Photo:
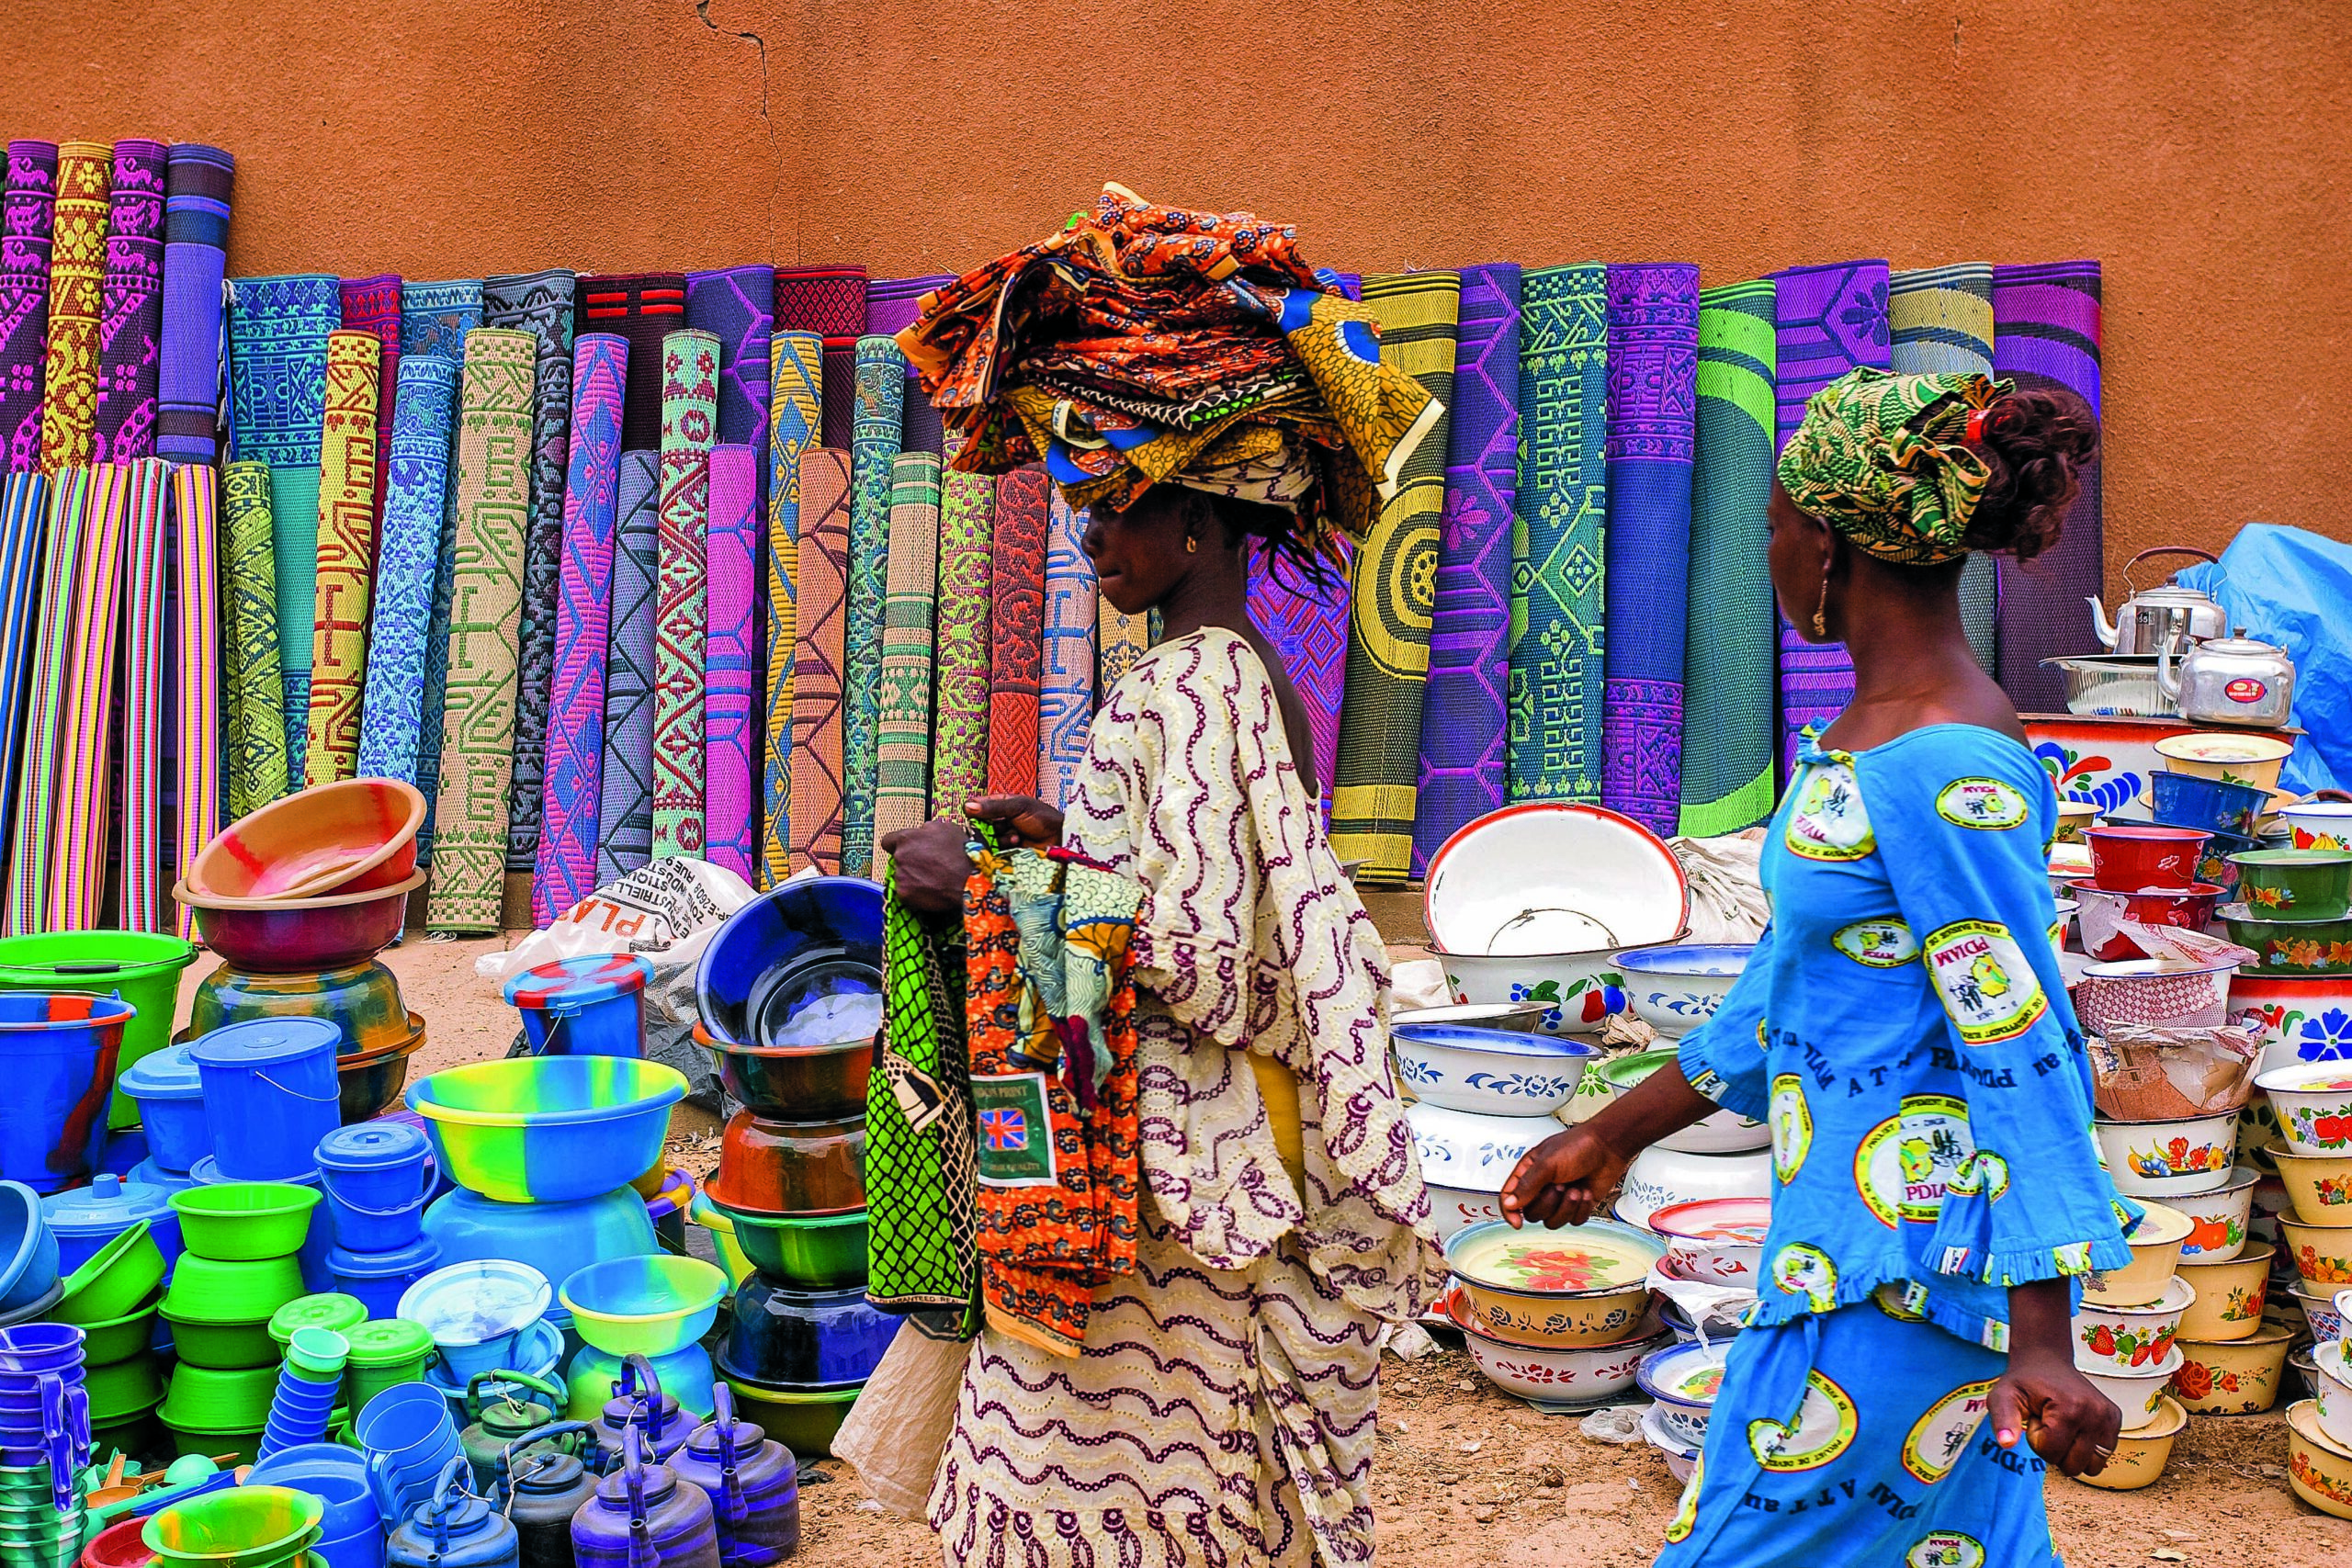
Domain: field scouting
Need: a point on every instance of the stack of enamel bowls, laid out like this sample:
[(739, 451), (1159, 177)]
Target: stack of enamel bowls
[(790, 998), (1560, 1318), (2126, 1342), (1724, 1156)]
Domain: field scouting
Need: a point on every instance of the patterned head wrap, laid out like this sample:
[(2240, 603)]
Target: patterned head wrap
[(1878, 459)]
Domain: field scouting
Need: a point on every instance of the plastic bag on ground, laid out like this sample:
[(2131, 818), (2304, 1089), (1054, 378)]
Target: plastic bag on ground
[(899, 1426)]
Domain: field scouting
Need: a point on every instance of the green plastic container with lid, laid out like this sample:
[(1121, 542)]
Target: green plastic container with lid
[(329, 1309), (243, 1222), (382, 1354), (144, 966)]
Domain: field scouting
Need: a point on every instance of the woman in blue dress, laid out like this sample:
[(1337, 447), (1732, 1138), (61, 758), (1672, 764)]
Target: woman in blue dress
[(1903, 1029)]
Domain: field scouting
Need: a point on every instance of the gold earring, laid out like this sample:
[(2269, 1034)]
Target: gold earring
[(1821, 615), (1191, 544)]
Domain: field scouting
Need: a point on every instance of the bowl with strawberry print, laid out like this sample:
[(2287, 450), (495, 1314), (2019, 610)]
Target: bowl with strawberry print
[(2313, 1104), (2129, 1338)]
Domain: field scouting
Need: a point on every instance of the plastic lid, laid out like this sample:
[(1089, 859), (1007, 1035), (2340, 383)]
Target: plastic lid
[(261, 1041), (155, 1175), (106, 1205), (468, 1304), (167, 1074), (373, 1145), (567, 985), (387, 1342), (329, 1309), (206, 1172), (421, 1254)]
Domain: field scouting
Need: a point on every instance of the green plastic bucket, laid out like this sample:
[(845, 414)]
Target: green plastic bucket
[(143, 966), (382, 1354)]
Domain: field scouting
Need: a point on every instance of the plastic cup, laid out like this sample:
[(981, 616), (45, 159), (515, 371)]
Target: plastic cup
[(317, 1355), (328, 1309)]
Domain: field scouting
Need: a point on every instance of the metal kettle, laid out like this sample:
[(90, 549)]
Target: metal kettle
[(2155, 619), (2232, 679)]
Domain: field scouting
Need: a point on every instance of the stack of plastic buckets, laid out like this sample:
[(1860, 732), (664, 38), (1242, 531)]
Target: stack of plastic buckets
[(61, 1047), (168, 1093), (376, 1176), (241, 1266), (44, 1443), (269, 1097)]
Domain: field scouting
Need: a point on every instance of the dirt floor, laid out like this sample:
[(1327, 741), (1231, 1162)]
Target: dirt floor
[(1468, 1476)]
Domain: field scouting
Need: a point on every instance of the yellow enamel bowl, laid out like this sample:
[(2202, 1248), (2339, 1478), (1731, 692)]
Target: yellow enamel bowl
[(1555, 1289), (2322, 1254), (2319, 1470), (2239, 1377), (2320, 1187), (2252, 760), (2229, 1295), (2139, 1456), (2155, 1256)]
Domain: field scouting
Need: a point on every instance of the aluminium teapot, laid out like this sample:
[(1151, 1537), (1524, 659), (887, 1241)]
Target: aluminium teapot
[(2232, 679), (2155, 620)]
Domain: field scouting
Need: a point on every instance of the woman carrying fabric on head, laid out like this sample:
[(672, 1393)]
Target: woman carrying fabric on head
[(1215, 1402), (1903, 1026)]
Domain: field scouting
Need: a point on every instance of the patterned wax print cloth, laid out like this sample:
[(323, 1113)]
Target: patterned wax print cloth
[(1881, 458), (1858, 1437), (922, 1242), (1903, 1028)]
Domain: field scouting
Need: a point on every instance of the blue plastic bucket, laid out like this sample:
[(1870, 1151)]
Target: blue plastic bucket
[(29, 1253), (592, 1005), (381, 1279), (61, 1047), (270, 1093), (378, 1177), (170, 1094)]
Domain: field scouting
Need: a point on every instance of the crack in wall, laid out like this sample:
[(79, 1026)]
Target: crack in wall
[(767, 124)]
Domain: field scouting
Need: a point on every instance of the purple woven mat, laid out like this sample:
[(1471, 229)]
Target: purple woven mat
[(198, 182), (730, 661), (27, 211), (2046, 334), (131, 310), (734, 305)]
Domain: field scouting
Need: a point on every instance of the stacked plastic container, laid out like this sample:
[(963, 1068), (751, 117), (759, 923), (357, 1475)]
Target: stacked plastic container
[(377, 1177), (242, 1265), (168, 1091), (44, 1443)]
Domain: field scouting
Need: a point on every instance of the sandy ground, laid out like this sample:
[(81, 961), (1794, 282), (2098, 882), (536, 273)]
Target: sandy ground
[(1468, 1476)]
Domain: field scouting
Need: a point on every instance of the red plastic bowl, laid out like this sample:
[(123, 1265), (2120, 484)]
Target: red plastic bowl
[(334, 838), (279, 936), (2129, 858), (2099, 909), (119, 1545)]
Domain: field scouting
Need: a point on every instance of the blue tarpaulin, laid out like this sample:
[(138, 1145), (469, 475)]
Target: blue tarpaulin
[(2294, 588)]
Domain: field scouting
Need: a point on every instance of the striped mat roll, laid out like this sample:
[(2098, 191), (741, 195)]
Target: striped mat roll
[(1559, 542), (373, 305), (881, 396), (81, 838), (27, 214), (435, 319), (1940, 320), (130, 311), (24, 496), (2046, 334), (1731, 703), (795, 381), (625, 796), (959, 728), (1375, 792), (197, 671), (566, 870), (689, 419), (643, 307), (346, 555), (1016, 629), (408, 570), (67, 528), (902, 782), (148, 665), (1466, 713), (253, 682), (1119, 640), (77, 260), (198, 183), (1065, 665), (821, 601), (494, 490), (731, 659)]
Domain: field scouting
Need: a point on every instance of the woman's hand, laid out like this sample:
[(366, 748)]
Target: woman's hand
[(2043, 1397), (932, 861), (1563, 1179)]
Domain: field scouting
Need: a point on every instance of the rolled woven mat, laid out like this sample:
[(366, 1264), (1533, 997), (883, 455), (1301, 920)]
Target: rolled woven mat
[(837, 424), (736, 306), (1119, 640), (493, 486), (689, 406), (2046, 334), (1065, 668), (643, 307), (195, 675), (881, 395), (795, 360), (891, 305), (198, 183), (76, 293), (253, 682), (566, 870), (408, 568), (80, 844), (1307, 623), (27, 214), (1653, 368), (1831, 318), (1016, 629), (1731, 720), (130, 311), (959, 727), (821, 601), (538, 303), (373, 305), (148, 664), (1374, 789), (1940, 319), (731, 660), (348, 462), (24, 496), (1468, 710), (902, 788), (827, 300), (34, 831), (435, 319), (1558, 546), (624, 810)]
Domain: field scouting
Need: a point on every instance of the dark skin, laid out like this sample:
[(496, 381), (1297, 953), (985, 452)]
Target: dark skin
[(1912, 669), (1169, 552)]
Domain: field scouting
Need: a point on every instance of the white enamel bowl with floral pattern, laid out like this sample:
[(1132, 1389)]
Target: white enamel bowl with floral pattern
[(2229, 1294), (2233, 1377), (1578, 991), (1555, 1378), (1578, 1286), (2124, 1339), (2313, 1104), (2137, 1390), (1674, 989), (2162, 1159), (1685, 1381), (2320, 1311), (2331, 1392), (1458, 1208), (1660, 1178), (2218, 1219), (2319, 1185), (2318, 1469), (1553, 876), (1464, 1150), (1492, 1072), (1680, 1455), (2295, 1018), (1719, 1241)]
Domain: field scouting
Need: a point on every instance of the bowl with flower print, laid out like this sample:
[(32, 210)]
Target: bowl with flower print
[(1491, 1071), (2160, 1159), (1719, 1241), (2332, 1390), (1685, 1380), (2319, 1185), (1557, 1377), (2113, 1338), (2125, 855), (2141, 1450), (2136, 1391), (1457, 1208), (2231, 1293), (2287, 946), (2318, 1469), (2319, 824), (1674, 989), (1660, 1178), (2322, 1254), (2155, 1243), (2320, 1310), (2313, 1104), (2296, 884), (1680, 1455), (2235, 1377), (1576, 1286), (1578, 992), (1464, 1150)]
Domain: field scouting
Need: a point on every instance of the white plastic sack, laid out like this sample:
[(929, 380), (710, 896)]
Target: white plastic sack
[(665, 911), (899, 1426), (1727, 899)]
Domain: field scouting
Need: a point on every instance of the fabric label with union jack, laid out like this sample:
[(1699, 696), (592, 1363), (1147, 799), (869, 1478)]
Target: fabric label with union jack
[(1016, 1135)]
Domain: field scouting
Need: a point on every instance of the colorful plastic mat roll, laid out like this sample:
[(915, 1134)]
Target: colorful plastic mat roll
[(2046, 334), (796, 399), (736, 306), (827, 300), (89, 671), (891, 305), (1467, 712), (566, 872), (645, 308), (435, 319), (1307, 623), (76, 296), (130, 311), (1940, 319), (1015, 643), (372, 305), (911, 606), (959, 726), (1559, 542), (731, 659), (625, 812), (346, 557), (27, 216), (819, 624), (689, 421), (1731, 720), (196, 671), (149, 664), (1652, 371), (1065, 668), (1377, 774), (253, 682), (34, 829), (408, 570), (494, 490), (197, 184), (881, 395), (1831, 318), (24, 496)]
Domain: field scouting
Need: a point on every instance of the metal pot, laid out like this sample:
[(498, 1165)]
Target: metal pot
[(2234, 679), (2111, 685), (2168, 617)]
